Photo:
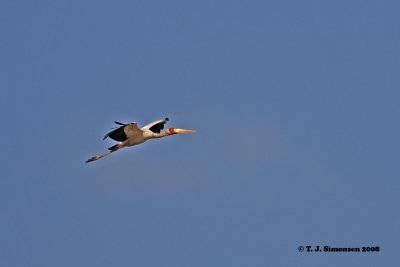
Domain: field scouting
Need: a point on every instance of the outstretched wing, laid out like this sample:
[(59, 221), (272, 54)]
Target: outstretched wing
[(117, 134), (156, 126), (122, 133)]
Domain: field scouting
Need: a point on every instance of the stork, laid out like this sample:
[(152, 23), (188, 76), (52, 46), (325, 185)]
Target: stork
[(130, 135)]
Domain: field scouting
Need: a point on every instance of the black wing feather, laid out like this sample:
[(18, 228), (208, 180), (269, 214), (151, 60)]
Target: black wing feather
[(159, 126), (117, 134)]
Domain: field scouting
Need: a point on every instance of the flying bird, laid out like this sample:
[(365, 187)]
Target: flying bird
[(130, 135)]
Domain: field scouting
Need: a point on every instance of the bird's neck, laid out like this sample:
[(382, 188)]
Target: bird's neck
[(168, 132)]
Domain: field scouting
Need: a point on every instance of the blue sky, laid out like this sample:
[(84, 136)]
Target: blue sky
[(296, 108)]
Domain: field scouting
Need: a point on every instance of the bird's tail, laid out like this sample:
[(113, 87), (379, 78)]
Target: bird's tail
[(115, 147), (111, 150)]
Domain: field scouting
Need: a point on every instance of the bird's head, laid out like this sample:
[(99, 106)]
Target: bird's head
[(179, 131)]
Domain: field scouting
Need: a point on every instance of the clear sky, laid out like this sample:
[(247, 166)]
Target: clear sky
[(296, 104)]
